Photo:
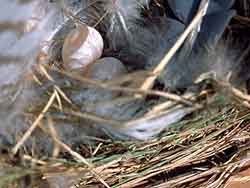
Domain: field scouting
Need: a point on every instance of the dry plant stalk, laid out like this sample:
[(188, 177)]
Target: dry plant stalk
[(148, 160), (81, 159), (34, 125), (103, 85)]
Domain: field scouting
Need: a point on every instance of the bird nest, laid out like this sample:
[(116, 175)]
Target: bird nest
[(209, 148), (203, 151)]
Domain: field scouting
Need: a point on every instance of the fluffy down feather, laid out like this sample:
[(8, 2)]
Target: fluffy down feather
[(152, 39), (26, 25)]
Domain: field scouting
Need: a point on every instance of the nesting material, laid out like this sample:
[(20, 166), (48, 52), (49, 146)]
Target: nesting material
[(149, 127), (40, 9), (240, 180), (75, 112), (82, 46)]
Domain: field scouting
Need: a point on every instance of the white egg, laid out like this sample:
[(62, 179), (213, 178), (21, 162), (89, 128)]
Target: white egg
[(82, 46)]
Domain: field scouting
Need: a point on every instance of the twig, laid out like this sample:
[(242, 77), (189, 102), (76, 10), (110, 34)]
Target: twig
[(92, 117), (33, 160), (81, 159), (54, 134), (140, 92), (168, 104), (34, 125)]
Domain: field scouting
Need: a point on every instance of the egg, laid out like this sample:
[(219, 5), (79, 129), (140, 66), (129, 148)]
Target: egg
[(106, 68), (82, 46)]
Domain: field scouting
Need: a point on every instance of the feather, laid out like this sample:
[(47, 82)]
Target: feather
[(185, 10), (113, 18), (20, 47), (210, 33), (121, 15), (152, 39)]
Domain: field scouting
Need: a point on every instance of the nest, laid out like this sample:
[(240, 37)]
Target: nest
[(204, 152), (206, 149)]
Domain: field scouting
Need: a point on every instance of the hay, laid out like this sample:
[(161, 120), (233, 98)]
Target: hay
[(205, 153)]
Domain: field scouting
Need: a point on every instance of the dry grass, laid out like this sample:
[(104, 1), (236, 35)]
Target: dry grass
[(205, 153)]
